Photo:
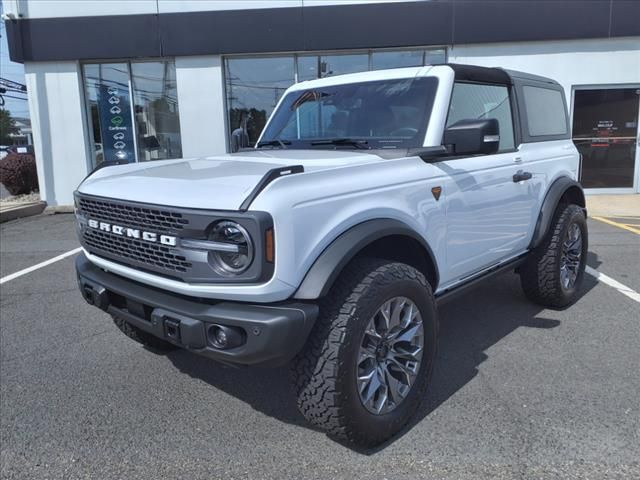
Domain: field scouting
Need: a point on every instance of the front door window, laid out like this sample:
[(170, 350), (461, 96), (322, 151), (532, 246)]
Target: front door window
[(605, 131)]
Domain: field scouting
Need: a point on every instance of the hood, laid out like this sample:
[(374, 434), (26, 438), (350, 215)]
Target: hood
[(216, 183)]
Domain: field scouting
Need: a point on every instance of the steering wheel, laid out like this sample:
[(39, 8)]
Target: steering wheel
[(404, 132)]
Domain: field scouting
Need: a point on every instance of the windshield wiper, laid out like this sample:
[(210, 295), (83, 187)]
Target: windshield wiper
[(343, 141), (276, 142)]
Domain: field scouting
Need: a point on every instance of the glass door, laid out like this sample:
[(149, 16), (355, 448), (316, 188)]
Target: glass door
[(605, 131)]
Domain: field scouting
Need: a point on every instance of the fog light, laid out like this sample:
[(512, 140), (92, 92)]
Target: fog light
[(223, 337)]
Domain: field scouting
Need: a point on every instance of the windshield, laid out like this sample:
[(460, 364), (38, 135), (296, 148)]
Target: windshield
[(378, 114)]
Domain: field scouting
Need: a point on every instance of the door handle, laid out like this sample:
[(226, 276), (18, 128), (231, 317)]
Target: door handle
[(517, 160), (521, 176)]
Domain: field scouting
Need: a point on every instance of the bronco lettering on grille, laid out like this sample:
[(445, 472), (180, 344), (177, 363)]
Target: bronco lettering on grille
[(133, 233)]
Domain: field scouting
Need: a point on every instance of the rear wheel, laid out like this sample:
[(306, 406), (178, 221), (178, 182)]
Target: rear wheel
[(553, 274), (140, 336), (366, 365)]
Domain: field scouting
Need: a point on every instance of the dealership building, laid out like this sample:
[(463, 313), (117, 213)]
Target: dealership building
[(143, 80)]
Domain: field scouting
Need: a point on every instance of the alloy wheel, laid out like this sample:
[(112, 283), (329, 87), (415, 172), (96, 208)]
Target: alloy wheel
[(390, 354), (571, 256)]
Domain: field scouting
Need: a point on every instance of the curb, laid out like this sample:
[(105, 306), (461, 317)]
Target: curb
[(21, 211), (54, 209)]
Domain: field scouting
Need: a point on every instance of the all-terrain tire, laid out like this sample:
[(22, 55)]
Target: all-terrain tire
[(540, 275), (141, 336), (324, 373)]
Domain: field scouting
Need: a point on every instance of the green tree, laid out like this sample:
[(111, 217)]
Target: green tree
[(7, 126)]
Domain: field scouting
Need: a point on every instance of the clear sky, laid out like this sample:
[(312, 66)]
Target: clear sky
[(11, 71)]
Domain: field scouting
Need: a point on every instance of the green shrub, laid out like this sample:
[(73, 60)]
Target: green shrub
[(18, 173)]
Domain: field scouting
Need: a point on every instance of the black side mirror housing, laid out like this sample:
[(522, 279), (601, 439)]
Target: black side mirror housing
[(473, 137)]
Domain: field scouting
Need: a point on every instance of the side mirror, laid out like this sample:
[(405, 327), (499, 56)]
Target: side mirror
[(473, 137)]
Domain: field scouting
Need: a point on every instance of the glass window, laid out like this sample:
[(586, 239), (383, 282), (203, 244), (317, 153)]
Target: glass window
[(311, 67), (155, 101), (308, 68), (254, 86), (474, 101), (411, 58), (155, 108), (545, 111), (331, 65), (407, 58), (436, 56), (381, 114), (106, 110)]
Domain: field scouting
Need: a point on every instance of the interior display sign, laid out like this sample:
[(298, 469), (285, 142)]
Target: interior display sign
[(115, 123)]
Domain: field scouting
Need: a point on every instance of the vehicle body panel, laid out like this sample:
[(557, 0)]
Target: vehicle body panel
[(488, 215)]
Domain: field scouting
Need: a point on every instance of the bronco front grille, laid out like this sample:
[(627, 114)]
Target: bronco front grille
[(150, 237), (151, 254), (157, 257), (135, 216)]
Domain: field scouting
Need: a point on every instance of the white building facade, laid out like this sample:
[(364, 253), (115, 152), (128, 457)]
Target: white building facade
[(142, 80)]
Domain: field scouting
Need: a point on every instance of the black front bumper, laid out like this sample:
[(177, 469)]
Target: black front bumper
[(271, 334)]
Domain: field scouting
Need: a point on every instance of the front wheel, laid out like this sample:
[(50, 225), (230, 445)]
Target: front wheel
[(367, 363), (553, 274)]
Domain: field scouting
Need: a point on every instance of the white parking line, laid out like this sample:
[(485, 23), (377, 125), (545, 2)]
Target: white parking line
[(13, 276), (632, 294), (623, 289)]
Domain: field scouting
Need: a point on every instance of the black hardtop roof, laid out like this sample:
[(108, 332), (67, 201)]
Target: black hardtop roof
[(474, 73)]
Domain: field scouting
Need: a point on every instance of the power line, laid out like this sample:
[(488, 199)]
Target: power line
[(15, 98)]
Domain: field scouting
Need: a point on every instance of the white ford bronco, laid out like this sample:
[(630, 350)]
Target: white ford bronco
[(368, 200)]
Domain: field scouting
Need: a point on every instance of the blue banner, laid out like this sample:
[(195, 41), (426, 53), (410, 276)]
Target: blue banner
[(115, 123)]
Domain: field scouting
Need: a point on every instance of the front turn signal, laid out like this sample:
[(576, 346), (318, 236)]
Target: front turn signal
[(269, 246)]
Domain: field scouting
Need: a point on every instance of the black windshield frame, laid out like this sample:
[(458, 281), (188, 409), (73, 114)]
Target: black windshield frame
[(418, 92)]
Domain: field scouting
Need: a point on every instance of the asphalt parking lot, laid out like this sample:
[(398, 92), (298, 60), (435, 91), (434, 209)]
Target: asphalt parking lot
[(518, 391)]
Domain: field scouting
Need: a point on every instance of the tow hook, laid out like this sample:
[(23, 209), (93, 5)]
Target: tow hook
[(95, 295), (172, 329)]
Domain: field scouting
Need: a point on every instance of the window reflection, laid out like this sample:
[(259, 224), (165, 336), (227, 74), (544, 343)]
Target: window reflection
[(605, 132), (308, 68), (474, 101), (382, 60), (387, 114), (96, 76), (153, 118), (435, 56), (254, 86), (156, 110), (331, 65)]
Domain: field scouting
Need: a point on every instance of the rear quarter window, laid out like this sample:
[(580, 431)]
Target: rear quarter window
[(545, 111)]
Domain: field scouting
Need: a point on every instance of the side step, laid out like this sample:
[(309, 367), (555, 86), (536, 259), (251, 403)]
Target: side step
[(451, 293)]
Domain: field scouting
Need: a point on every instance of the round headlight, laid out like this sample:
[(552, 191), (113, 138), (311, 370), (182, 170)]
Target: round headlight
[(236, 248)]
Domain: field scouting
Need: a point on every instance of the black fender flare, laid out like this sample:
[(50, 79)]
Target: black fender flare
[(325, 270), (549, 205)]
